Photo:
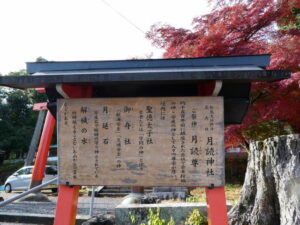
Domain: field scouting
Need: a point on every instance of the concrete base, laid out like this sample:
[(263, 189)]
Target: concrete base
[(179, 211)]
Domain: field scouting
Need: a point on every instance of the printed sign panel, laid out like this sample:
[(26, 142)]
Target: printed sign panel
[(165, 141)]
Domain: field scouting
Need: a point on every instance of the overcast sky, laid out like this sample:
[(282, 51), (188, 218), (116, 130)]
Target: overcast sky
[(70, 30)]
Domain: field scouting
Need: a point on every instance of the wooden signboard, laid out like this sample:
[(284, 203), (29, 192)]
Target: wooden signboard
[(165, 141)]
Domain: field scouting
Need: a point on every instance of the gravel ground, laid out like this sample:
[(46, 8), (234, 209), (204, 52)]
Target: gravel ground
[(49, 208), (3, 223), (101, 205)]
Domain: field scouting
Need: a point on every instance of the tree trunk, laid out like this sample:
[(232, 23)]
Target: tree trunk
[(271, 191)]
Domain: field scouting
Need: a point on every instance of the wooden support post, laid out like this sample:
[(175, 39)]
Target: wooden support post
[(66, 206), (216, 206), (43, 150), (35, 138)]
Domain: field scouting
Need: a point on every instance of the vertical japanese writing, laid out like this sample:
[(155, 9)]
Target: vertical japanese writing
[(209, 150), (84, 124), (194, 118), (118, 140), (65, 117), (173, 139), (210, 160), (211, 118), (163, 110), (96, 142), (206, 118), (149, 118), (127, 124), (74, 144), (141, 140), (195, 150), (182, 141), (104, 112)]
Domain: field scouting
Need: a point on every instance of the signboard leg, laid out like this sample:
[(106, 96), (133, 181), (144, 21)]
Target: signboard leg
[(42, 154), (216, 206), (66, 206)]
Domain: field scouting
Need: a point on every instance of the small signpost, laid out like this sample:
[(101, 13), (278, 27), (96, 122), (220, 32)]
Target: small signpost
[(164, 141)]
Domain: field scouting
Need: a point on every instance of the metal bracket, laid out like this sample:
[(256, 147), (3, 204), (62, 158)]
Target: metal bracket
[(68, 184), (211, 186)]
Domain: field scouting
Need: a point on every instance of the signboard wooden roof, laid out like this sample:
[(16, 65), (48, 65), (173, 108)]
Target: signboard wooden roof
[(106, 73)]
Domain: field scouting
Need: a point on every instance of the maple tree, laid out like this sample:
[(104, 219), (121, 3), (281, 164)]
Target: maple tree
[(246, 27)]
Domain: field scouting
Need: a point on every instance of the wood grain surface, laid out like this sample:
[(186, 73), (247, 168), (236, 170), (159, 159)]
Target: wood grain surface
[(164, 141)]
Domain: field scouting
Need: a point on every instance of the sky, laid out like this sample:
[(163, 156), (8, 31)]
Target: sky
[(76, 30)]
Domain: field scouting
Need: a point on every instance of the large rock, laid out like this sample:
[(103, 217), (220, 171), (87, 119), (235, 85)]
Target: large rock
[(132, 198)]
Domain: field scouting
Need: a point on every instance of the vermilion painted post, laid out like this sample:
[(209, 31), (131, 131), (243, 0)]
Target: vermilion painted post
[(215, 197), (216, 206), (66, 206), (43, 150)]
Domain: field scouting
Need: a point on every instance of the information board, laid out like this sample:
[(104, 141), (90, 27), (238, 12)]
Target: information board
[(164, 141)]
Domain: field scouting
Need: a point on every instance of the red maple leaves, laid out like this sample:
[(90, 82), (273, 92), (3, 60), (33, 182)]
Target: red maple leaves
[(245, 27)]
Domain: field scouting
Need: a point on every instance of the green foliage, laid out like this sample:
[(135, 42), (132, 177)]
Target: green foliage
[(7, 169), (193, 198), (41, 59), (153, 219), (266, 129), (19, 73), (17, 119), (293, 25), (196, 218)]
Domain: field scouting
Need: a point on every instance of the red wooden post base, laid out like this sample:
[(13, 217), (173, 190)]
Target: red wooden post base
[(66, 206), (216, 206)]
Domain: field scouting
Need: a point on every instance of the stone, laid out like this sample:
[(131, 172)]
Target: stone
[(35, 197), (165, 193), (102, 219), (132, 198), (146, 199)]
